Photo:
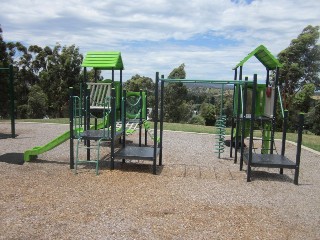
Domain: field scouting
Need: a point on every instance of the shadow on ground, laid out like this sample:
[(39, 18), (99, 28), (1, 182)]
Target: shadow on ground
[(12, 158), (6, 135)]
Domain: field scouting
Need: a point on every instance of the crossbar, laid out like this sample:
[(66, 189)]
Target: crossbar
[(235, 82)]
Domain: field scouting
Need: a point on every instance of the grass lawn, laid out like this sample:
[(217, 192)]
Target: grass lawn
[(309, 140)]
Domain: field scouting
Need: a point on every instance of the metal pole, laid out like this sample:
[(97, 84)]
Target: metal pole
[(232, 117), (284, 135), (238, 118), (299, 143), (120, 90), (155, 149), (112, 122), (146, 117), (12, 114), (71, 127), (124, 110), (140, 118), (84, 99), (274, 110), (161, 119), (244, 113), (88, 120), (253, 109)]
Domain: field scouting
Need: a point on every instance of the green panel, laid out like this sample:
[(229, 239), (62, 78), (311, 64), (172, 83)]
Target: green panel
[(260, 100), (103, 60), (264, 56)]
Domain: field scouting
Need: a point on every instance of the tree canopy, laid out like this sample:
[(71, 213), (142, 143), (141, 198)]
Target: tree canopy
[(301, 62)]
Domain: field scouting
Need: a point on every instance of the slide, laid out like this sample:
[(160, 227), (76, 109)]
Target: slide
[(34, 152)]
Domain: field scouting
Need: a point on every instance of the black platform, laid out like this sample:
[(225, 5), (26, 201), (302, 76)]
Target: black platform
[(137, 153), (269, 160)]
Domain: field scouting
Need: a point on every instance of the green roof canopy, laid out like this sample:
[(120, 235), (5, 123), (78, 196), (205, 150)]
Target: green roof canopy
[(264, 56), (103, 60)]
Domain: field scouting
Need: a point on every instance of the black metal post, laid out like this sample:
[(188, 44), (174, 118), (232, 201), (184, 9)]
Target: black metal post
[(232, 117), (95, 80), (112, 78), (156, 125), (253, 110), (140, 118), (244, 113), (267, 78), (146, 114), (299, 143), (120, 90), (161, 119), (84, 98), (12, 113), (124, 118), (71, 127), (274, 110), (238, 118), (284, 135), (112, 123), (88, 120)]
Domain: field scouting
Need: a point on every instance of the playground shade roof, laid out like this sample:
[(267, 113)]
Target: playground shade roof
[(103, 60), (264, 56)]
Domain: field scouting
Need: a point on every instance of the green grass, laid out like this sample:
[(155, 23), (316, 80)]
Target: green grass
[(309, 140)]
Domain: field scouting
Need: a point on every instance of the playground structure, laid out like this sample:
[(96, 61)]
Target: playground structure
[(9, 71), (109, 101), (252, 103)]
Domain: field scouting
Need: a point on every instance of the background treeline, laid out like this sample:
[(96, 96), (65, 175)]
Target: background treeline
[(42, 76)]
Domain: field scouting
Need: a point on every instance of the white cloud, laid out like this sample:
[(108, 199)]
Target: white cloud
[(162, 34)]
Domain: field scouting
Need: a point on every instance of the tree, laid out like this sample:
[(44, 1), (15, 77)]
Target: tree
[(208, 112), (302, 100), (3, 52), (176, 108), (3, 77), (62, 70), (37, 102), (313, 119), (301, 63), (138, 82)]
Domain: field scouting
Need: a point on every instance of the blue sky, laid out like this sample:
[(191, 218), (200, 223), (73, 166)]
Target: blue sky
[(209, 36)]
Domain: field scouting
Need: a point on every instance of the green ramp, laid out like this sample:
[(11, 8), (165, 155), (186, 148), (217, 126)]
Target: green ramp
[(34, 152)]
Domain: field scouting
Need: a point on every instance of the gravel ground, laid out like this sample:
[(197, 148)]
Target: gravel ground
[(194, 196)]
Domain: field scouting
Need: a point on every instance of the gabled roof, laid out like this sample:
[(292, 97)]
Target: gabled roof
[(103, 60), (264, 56)]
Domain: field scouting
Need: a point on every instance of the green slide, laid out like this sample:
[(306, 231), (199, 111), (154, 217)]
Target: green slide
[(34, 152)]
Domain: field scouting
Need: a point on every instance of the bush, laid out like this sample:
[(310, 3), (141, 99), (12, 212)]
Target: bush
[(197, 120), (207, 111)]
